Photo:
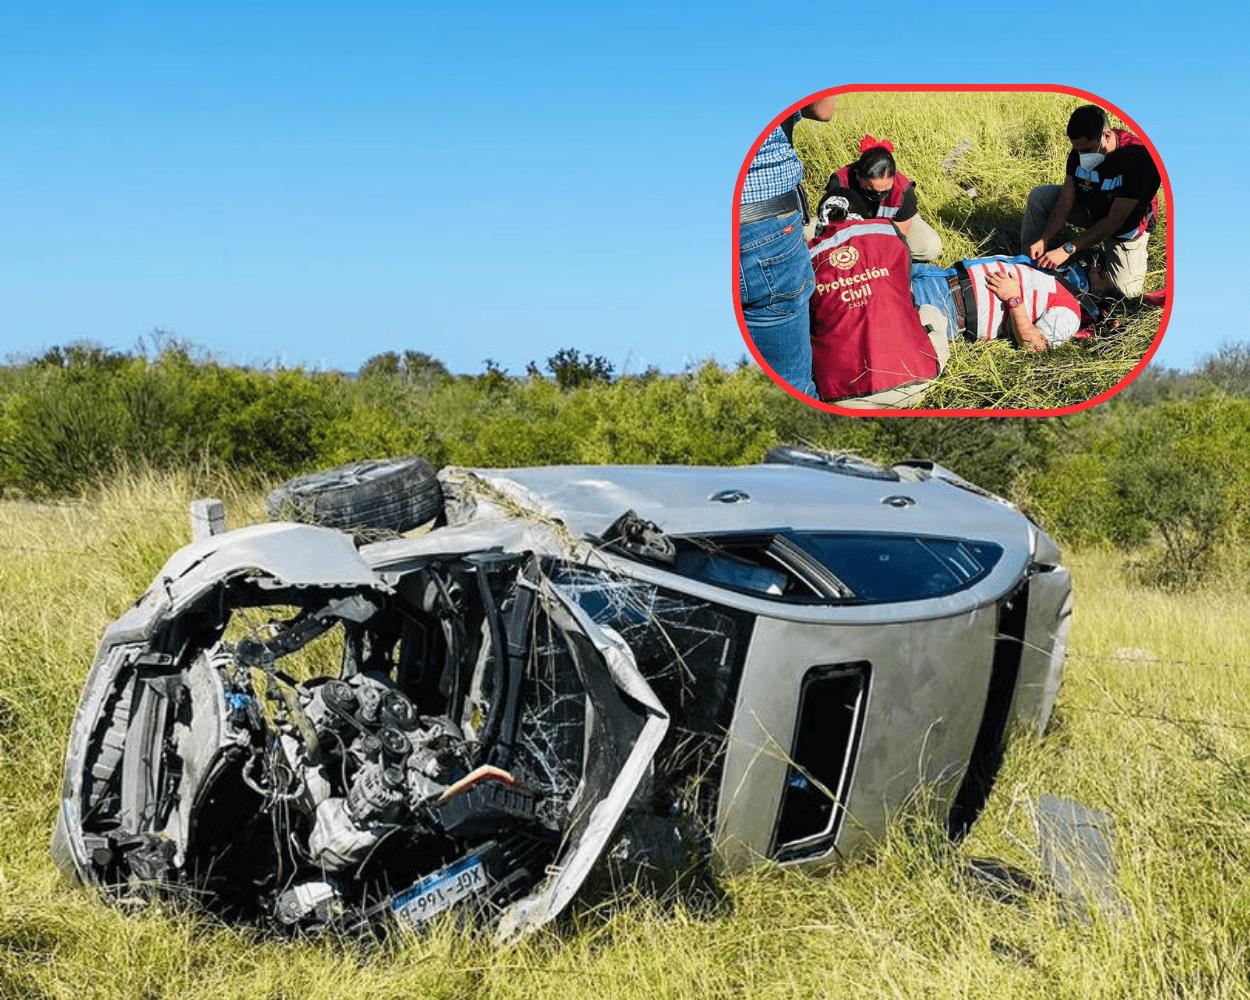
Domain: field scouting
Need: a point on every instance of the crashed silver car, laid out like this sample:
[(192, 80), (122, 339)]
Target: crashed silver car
[(655, 667)]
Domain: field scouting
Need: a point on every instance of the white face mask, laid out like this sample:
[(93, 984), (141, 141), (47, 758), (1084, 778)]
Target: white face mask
[(1090, 160)]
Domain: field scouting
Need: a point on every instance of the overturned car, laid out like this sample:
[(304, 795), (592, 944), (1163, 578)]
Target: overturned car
[(577, 667)]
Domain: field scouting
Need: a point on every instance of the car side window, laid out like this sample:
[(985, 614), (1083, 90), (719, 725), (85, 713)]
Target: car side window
[(749, 564), (878, 568)]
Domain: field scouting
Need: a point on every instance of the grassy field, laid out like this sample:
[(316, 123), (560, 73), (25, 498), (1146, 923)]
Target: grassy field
[(975, 200), (1153, 725)]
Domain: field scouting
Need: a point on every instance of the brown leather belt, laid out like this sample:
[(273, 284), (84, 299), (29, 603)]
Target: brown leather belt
[(957, 285)]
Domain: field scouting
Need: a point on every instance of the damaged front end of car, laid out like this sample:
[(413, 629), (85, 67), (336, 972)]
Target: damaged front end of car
[(474, 747), (579, 675)]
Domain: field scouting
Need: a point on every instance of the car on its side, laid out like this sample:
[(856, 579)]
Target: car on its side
[(339, 724)]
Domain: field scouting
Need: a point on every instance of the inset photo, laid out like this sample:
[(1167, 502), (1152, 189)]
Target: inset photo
[(952, 250)]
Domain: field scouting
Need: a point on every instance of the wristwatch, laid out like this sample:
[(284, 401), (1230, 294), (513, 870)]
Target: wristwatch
[(1069, 248), (1012, 303)]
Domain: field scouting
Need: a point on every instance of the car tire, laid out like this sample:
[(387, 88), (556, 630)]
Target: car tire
[(390, 494), (831, 461)]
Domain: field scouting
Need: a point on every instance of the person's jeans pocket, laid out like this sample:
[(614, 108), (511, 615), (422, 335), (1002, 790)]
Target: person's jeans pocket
[(789, 278), (776, 282), (773, 256)]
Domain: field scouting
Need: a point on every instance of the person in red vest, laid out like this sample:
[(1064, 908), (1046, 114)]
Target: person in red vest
[(870, 346), (1110, 188), (890, 195)]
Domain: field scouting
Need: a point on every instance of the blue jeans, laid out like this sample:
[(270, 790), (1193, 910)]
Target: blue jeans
[(776, 283), (930, 286)]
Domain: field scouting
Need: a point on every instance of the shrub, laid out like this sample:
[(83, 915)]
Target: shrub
[(1161, 474)]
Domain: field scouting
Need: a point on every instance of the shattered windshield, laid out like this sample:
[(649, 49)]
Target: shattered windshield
[(322, 757), (690, 651)]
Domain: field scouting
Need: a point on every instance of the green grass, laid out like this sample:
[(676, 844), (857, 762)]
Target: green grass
[(1151, 726), (1018, 142)]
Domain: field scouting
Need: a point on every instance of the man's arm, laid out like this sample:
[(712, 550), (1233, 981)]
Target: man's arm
[(1006, 287), (821, 110), (1058, 216), (1027, 335), (1111, 224)]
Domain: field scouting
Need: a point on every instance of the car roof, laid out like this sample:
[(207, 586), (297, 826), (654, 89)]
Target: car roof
[(678, 498)]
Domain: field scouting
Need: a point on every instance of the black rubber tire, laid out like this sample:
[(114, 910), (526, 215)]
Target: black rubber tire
[(829, 461), (388, 494)]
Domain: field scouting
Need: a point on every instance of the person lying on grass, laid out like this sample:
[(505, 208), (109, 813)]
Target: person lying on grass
[(990, 298), (889, 195)]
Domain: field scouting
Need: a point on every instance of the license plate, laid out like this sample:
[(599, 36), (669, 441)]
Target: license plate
[(440, 891)]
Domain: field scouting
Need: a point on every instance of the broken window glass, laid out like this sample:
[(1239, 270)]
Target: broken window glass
[(691, 652), (425, 748)]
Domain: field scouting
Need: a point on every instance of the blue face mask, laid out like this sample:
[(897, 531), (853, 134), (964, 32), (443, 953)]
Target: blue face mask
[(1090, 160)]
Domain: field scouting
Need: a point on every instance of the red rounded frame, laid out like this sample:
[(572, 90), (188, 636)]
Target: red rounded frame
[(955, 87)]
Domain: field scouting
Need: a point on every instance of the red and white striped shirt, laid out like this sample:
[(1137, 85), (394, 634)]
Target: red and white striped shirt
[(1051, 307)]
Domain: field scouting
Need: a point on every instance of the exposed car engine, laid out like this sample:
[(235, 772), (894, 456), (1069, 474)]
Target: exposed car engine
[(432, 768)]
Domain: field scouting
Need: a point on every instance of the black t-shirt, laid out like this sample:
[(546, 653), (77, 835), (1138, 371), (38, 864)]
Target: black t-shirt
[(872, 200), (1126, 172)]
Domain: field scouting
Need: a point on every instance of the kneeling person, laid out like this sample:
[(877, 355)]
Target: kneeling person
[(1111, 188), (870, 348), (889, 194)]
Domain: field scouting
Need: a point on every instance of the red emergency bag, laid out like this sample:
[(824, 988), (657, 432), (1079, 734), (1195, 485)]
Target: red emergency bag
[(866, 335)]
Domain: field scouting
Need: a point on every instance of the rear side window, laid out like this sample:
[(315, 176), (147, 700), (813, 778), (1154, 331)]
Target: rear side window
[(883, 568)]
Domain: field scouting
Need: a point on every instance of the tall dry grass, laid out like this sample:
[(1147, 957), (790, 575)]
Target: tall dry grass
[(975, 201), (1153, 725)]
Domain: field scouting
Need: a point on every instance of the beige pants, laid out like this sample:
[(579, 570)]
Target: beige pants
[(903, 396), (923, 241), (1126, 259)]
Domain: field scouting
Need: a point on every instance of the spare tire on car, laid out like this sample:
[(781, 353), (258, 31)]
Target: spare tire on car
[(388, 494)]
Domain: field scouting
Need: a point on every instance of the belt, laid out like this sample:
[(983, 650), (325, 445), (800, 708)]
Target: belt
[(782, 204), (965, 298)]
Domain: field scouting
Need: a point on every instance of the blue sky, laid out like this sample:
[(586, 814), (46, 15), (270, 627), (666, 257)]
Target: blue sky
[(314, 183)]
